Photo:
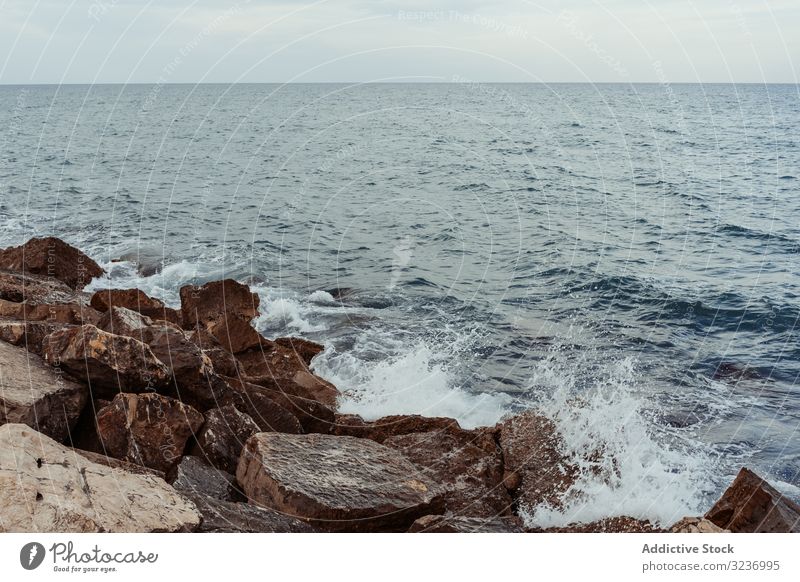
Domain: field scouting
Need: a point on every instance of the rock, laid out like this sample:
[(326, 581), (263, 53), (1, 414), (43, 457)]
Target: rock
[(19, 288), (460, 524), (622, 524), (535, 470), (186, 362), (696, 525), (224, 363), (50, 488), (223, 436), (303, 384), (389, 426), (102, 459), (147, 429), (336, 483), (193, 477), (123, 321), (71, 313), (34, 394), (263, 409), (109, 363), (51, 257), (304, 349), (27, 334), (224, 309), (468, 464), (227, 517), (751, 505), (134, 300)]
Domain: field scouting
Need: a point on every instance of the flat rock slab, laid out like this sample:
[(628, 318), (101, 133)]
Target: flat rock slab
[(751, 505), (48, 487), (336, 483), (33, 393)]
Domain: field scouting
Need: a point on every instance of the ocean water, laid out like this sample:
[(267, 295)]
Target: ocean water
[(622, 258)]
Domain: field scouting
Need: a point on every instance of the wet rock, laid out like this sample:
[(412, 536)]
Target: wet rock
[(336, 483), (460, 524), (468, 464), (224, 309), (27, 334), (50, 488), (389, 426), (226, 517), (696, 525), (191, 476), (263, 409), (147, 429), (134, 300), (110, 363), (535, 470), (751, 505), (223, 436), (123, 321), (305, 349), (34, 394), (51, 257), (622, 524), (303, 384)]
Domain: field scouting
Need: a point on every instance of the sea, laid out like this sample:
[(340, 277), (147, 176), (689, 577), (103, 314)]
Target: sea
[(622, 258)]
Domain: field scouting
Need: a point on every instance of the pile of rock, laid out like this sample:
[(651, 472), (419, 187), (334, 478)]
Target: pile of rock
[(120, 413)]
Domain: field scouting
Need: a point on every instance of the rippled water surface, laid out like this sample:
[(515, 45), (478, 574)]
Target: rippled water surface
[(623, 258)]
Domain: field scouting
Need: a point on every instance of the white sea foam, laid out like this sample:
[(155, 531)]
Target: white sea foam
[(418, 380), (639, 472)]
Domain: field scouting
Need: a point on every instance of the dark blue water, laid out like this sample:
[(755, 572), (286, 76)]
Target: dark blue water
[(624, 258)]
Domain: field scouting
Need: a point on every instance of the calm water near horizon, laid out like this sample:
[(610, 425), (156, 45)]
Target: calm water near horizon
[(624, 258)]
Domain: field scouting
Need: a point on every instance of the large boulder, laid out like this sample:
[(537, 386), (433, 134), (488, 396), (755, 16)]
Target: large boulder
[(536, 471), (460, 524), (66, 313), (312, 416), (135, 300), (303, 348), (51, 257), (302, 384), (48, 487), (110, 363), (262, 407), (223, 435), (34, 394), (124, 321), (147, 429), (468, 464), (27, 334), (751, 505), (224, 309), (336, 483), (18, 288)]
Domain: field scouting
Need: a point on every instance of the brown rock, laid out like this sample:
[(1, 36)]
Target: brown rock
[(19, 288), (468, 464), (263, 409), (696, 525), (147, 429), (303, 384), (109, 363), (460, 524), (48, 487), (224, 363), (536, 471), (751, 505), (305, 349), (65, 313), (224, 309), (389, 426), (34, 394), (123, 321), (223, 436), (51, 257), (336, 483), (102, 459), (134, 300), (622, 524), (27, 334)]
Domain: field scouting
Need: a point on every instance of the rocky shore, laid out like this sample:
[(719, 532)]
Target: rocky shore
[(121, 414)]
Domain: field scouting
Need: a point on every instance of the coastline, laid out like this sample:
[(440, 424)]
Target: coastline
[(232, 431)]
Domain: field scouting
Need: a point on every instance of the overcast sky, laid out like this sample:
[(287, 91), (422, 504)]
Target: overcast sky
[(181, 41)]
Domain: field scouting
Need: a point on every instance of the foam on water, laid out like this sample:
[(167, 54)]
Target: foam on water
[(627, 466)]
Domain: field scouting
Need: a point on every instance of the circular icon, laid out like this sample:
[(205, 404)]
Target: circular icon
[(31, 555)]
